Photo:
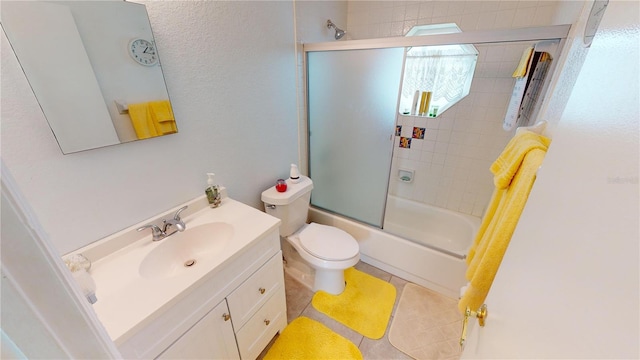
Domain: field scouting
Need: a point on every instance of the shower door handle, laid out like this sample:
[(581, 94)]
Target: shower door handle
[(481, 314)]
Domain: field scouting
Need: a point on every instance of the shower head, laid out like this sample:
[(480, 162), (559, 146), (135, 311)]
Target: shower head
[(339, 32)]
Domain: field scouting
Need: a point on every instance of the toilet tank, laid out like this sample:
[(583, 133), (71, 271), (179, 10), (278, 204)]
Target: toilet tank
[(291, 206)]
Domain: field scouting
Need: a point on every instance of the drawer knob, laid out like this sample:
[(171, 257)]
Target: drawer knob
[(226, 317), (267, 322), (262, 290)]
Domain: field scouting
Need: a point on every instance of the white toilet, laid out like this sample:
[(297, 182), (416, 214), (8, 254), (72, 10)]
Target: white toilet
[(326, 250)]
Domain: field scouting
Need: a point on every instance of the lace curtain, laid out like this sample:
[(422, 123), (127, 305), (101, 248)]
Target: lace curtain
[(446, 71)]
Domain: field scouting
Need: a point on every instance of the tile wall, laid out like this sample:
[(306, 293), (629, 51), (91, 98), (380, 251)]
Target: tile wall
[(375, 19), (451, 161), (451, 154)]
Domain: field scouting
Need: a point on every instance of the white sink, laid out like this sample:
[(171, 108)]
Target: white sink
[(185, 250), (137, 278)]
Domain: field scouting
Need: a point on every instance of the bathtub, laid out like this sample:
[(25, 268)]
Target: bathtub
[(440, 229), (435, 259)]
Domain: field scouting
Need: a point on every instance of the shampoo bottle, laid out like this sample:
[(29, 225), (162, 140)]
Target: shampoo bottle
[(213, 192)]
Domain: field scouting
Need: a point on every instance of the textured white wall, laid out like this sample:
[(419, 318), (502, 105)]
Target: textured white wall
[(229, 68), (311, 27)]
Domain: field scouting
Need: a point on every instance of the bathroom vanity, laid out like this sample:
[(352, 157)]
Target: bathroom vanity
[(215, 290)]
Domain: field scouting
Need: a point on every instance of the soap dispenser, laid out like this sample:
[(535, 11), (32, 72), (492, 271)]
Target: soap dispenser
[(294, 174), (213, 192)]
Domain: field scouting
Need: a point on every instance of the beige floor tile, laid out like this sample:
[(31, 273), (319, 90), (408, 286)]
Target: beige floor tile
[(373, 271), (428, 326), (381, 350), (399, 285), (298, 297)]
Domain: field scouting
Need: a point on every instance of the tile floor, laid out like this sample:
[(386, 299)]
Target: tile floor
[(299, 304)]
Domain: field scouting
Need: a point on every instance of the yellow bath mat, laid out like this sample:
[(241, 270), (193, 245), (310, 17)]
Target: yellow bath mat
[(365, 305), (304, 338)]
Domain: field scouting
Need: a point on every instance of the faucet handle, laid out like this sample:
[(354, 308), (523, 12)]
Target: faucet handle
[(155, 231), (177, 215)]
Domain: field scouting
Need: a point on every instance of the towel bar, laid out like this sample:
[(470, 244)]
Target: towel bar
[(537, 128), (123, 107)]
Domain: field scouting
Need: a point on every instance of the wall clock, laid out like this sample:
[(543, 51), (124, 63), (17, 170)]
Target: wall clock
[(143, 52)]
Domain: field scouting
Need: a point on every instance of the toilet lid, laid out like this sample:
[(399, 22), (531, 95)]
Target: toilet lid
[(328, 242)]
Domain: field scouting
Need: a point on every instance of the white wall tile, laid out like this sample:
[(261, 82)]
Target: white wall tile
[(456, 7), (412, 12), (527, 4), (440, 8), (468, 22), (505, 18), (466, 208), (490, 6), (544, 15), (508, 5), (426, 10), (486, 21), (524, 17)]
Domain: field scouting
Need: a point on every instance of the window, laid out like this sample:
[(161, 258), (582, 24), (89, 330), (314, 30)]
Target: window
[(444, 70)]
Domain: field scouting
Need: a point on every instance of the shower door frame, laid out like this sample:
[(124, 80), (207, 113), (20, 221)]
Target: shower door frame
[(553, 32)]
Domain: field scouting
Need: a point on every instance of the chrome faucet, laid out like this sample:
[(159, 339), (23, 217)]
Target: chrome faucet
[(159, 234), (176, 222)]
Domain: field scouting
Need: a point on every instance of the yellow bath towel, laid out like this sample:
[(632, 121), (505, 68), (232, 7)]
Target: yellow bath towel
[(523, 66), (514, 174), (142, 121), (153, 118), (508, 163)]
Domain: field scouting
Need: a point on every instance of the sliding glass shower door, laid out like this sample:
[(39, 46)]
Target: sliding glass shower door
[(352, 102)]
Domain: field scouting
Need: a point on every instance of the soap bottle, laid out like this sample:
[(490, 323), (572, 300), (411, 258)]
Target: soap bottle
[(213, 192), (294, 174)]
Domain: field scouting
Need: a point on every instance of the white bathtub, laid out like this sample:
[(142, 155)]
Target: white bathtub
[(439, 266), (434, 227)]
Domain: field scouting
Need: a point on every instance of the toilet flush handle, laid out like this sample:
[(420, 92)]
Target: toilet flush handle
[(269, 206)]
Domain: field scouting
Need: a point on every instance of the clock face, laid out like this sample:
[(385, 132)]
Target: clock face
[(143, 52)]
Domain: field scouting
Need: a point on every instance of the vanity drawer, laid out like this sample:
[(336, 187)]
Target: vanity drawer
[(256, 290), (261, 327)]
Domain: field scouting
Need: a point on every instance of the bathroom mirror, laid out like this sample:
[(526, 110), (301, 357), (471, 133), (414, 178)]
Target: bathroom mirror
[(93, 68)]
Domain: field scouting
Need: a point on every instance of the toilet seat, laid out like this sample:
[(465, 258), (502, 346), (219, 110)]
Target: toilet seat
[(328, 242)]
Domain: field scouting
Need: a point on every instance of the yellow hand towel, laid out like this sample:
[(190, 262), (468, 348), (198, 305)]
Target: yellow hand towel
[(523, 66), (514, 174), (162, 116), (142, 121)]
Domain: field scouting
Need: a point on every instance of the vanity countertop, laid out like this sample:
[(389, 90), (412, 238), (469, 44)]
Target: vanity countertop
[(128, 301)]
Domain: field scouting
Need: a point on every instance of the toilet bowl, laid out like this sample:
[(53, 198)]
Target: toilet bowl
[(326, 250), (329, 251)]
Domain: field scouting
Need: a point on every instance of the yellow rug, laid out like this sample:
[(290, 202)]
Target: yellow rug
[(426, 325), (365, 305), (304, 338)]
